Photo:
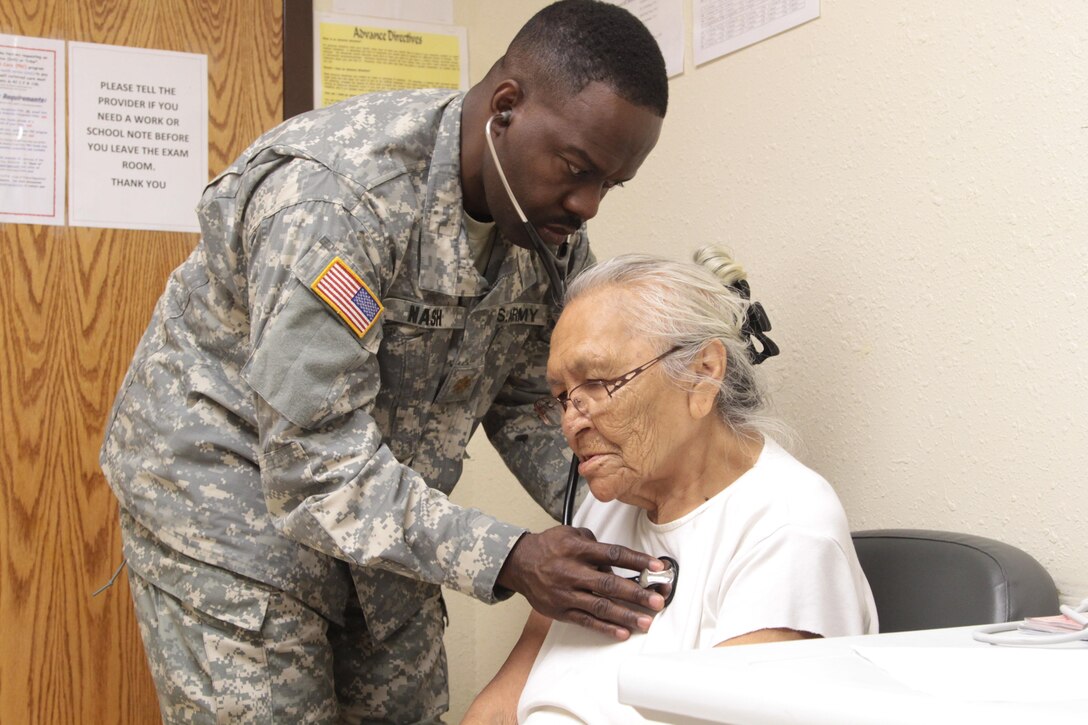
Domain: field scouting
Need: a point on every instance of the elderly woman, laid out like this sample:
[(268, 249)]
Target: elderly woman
[(652, 382)]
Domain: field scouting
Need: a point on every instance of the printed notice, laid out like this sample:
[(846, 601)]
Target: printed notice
[(724, 26), (423, 11), (31, 130), (354, 55), (138, 137)]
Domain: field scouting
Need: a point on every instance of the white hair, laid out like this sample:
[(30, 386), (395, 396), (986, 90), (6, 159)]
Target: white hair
[(688, 305)]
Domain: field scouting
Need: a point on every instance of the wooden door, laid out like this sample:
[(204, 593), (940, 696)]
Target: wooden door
[(73, 304)]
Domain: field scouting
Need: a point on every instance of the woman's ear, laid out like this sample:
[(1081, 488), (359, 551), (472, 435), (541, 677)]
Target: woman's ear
[(709, 364)]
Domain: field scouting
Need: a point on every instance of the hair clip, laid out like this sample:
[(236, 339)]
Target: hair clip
[(756, 324)]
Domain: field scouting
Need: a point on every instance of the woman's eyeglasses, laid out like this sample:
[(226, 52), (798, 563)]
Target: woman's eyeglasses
[(590, 394)]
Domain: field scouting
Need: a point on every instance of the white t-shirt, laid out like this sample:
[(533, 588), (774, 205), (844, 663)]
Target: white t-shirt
[(771, 550)]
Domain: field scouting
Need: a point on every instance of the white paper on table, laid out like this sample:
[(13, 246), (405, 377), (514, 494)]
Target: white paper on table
[(988, 674)]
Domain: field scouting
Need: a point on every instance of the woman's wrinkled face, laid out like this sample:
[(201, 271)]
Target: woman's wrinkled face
[(630, 444)]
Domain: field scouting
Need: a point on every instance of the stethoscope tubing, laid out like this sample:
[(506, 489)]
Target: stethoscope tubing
[(644, 579), (572, 490), (557, 291), (556, 282)]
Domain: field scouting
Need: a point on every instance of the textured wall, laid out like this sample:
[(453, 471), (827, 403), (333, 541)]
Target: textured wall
[(906, 184)]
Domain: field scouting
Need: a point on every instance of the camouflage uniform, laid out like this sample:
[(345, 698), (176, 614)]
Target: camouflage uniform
[(260, 446)]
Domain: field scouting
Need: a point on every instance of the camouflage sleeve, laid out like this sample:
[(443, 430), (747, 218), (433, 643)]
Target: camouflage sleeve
[(535, 452), (328, 480)]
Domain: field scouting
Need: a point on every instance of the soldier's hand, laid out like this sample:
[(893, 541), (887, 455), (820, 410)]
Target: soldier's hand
[(566, 575)]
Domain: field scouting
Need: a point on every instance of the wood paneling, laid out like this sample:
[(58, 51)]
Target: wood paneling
[(73, 304)]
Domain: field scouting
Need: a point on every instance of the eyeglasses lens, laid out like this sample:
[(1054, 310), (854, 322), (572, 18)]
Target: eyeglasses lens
[(585, 398)]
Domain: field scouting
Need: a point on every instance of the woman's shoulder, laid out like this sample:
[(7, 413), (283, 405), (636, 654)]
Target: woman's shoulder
[(777, 469), (781, 491)]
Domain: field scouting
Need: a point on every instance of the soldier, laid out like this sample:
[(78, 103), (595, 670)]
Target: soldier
[(363, 296)]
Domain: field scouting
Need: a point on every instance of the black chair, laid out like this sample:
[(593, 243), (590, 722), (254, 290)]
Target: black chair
[(932, 579)]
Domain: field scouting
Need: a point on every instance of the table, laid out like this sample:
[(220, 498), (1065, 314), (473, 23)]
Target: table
[(831, 682)]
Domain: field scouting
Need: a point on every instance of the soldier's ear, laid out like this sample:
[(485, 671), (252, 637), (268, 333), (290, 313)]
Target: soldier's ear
[(505, 98)]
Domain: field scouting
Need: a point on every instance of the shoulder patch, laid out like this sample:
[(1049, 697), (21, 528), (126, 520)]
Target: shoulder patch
[(348, 296)]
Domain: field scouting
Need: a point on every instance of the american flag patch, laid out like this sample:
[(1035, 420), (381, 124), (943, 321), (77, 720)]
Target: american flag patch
[(348, 296)]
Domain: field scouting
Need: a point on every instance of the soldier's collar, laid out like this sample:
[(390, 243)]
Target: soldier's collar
[(446, 264), (445, 257)]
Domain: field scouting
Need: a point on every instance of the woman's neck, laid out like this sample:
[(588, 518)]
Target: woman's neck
[(706, 468)]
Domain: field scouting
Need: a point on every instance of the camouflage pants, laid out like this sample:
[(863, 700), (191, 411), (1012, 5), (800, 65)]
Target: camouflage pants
[(298, 668)]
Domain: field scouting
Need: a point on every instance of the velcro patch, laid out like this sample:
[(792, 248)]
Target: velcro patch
[(423, 315), (348, 296), (522, 314)]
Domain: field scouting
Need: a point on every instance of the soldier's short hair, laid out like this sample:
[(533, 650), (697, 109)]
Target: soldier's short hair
[(573, 43)]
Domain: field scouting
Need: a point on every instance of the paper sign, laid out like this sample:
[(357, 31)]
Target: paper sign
[(138, 137), (354, 55), (424, 11), (724, 26), (31, 130)]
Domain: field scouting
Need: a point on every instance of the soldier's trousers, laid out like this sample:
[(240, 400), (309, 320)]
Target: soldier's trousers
[(299, 668)]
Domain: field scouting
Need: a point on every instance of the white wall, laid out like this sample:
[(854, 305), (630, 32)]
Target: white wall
[(907, 185)]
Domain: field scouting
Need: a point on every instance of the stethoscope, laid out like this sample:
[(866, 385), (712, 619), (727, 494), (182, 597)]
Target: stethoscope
[(557, 287), (1010, 634), (664, 581)]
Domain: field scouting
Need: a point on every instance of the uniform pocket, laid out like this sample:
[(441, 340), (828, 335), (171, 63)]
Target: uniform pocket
[(411, 360), (240, 678)]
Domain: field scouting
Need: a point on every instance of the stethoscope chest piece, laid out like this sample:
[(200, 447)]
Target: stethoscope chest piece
[(664, 581)]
